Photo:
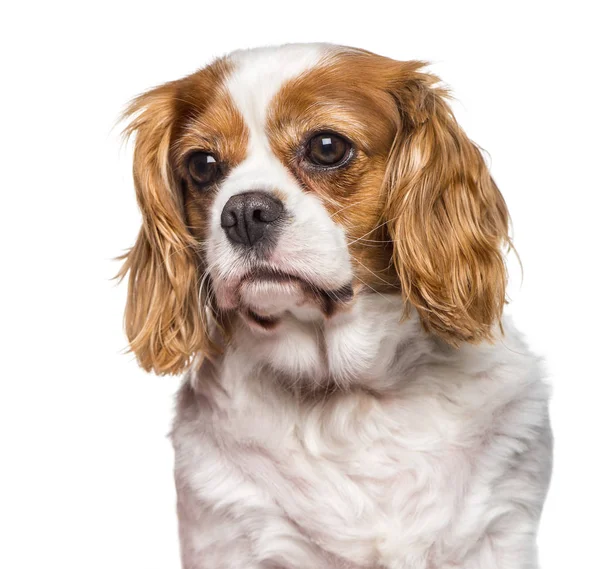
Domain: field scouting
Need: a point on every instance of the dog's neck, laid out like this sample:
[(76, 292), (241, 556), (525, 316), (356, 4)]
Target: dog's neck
[(369, 345), (275, 380)]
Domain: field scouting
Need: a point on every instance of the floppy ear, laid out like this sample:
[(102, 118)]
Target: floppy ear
[(165, 319), (447, 219)]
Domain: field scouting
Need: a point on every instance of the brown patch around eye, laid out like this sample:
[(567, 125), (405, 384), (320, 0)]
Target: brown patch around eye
[(345, 97), (209, 139)]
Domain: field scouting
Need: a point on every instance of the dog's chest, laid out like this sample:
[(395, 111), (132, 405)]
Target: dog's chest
[(354, 474)]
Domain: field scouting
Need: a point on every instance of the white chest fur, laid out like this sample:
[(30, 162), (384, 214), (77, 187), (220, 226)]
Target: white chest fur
[(428, 457)]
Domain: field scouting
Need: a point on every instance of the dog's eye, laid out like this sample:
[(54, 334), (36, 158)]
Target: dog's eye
[(203, 168), (328, 149)]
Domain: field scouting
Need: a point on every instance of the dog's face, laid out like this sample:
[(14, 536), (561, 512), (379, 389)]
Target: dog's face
[(287, 181)]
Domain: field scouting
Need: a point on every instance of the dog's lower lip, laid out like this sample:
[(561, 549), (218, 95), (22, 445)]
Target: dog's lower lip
[(329, 299), (340, 294), (265, 274)]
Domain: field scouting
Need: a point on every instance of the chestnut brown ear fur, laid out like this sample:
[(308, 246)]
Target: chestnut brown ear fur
[(165, 319), (447, 218)]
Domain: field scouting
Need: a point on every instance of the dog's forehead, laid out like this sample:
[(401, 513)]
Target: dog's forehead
[(258, 75)]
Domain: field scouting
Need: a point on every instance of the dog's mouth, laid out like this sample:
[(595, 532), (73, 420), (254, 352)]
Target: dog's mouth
[(266, 294)]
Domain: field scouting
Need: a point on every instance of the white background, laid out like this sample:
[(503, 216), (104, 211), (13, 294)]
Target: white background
[(85, 465)]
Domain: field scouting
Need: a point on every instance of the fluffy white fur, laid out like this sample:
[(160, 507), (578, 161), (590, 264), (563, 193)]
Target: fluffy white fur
[(424, 457), (435, 458)]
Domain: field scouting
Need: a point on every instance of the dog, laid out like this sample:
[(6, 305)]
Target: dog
[(322, 251)]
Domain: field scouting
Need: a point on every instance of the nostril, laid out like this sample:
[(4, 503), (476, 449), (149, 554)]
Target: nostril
[(268, 210)]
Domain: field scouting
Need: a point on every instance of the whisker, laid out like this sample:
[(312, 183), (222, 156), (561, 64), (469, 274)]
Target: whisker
[(348, 206), (375, 274), (375, 291)]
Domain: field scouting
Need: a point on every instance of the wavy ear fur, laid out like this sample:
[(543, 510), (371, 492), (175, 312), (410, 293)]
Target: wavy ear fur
[(446, 216), (164, 319)]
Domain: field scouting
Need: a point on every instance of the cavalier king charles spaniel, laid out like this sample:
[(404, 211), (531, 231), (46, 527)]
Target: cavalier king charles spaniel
[(322, 251)]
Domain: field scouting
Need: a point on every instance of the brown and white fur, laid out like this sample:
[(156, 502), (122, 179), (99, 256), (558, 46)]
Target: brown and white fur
[(353, 397)]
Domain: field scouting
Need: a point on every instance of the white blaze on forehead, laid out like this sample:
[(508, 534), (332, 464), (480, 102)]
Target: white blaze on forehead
[(257, 76), (260, 73)]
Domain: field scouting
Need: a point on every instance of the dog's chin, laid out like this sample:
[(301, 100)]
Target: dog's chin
[(263, 302), (263, 297), (271, 297)]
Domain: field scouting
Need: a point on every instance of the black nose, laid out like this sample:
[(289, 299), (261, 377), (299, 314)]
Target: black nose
[(246, 218)]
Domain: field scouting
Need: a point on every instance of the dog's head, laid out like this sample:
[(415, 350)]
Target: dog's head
[(286, 180)]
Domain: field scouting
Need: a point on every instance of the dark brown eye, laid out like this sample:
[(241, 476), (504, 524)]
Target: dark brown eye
[(203, 168), (328, 149)]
